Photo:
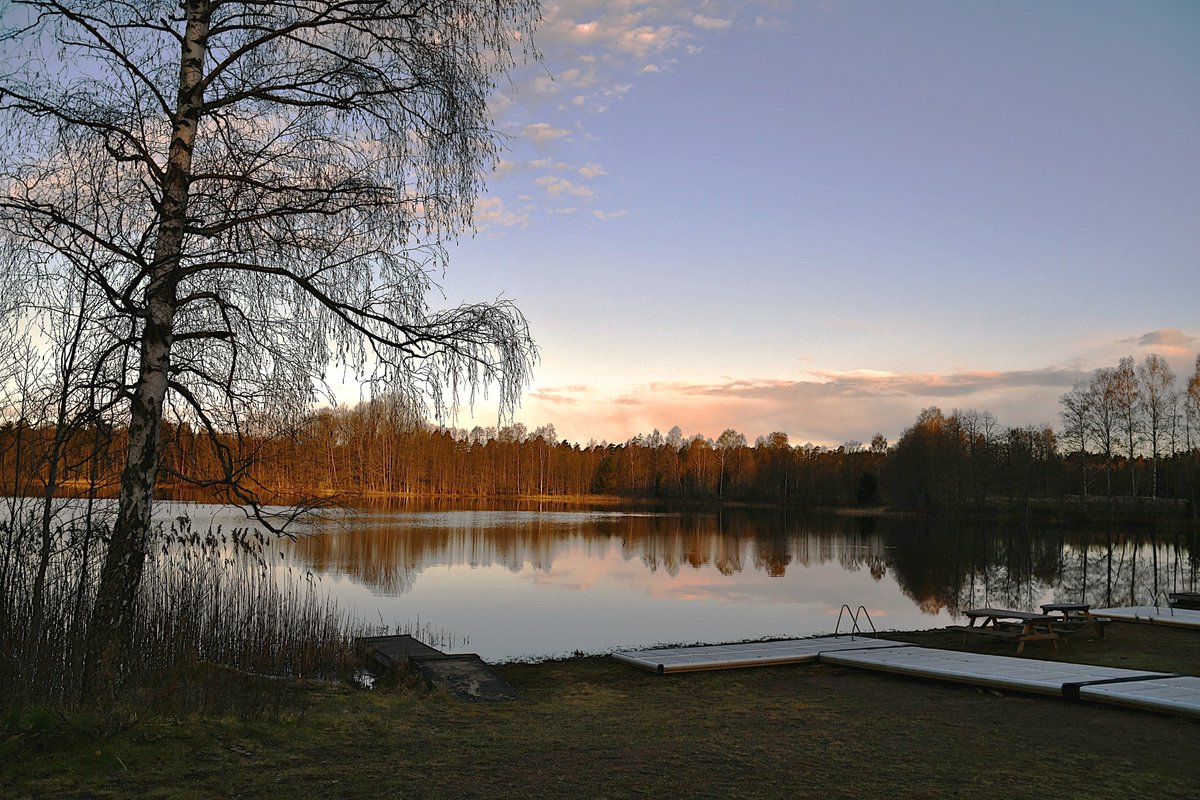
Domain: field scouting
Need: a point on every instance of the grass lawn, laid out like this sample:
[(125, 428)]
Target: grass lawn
[(591, 727)]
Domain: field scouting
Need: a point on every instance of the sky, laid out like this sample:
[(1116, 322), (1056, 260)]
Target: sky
[(821, 217)]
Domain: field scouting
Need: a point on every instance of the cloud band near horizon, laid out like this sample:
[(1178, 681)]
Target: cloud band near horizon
[(827, 408)]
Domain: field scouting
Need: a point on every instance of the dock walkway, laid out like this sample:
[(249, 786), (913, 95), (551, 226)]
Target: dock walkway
[(746, 654), (1155, 615), (1136, 688)]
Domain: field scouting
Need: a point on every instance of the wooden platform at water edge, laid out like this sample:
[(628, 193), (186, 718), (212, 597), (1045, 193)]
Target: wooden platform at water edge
[(1153, 615), (1158, 691), (464, 675)]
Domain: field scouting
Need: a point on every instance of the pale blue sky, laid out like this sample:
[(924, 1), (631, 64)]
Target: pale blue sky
[(822, 217)]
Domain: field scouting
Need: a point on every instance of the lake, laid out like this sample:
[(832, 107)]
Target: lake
[(516, 582)]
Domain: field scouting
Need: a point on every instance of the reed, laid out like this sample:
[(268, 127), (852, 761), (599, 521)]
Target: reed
[(219, 627)]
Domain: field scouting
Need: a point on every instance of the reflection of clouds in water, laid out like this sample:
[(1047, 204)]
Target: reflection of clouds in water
[(483, 519), (388, 551), (734, 556), (545, 584)]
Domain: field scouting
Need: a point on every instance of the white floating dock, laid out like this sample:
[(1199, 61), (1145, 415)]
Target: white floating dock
[(1156, 691), (978, 669), (1156, 615), (1180, 694), (746, 654)]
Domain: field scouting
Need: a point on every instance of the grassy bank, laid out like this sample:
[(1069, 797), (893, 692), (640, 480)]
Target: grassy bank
[(591, 727)]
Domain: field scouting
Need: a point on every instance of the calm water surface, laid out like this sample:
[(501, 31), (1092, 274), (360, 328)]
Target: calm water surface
[(526, 583)]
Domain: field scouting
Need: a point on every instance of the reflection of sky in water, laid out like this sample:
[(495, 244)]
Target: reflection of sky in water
[(537, 583), (590, 602)]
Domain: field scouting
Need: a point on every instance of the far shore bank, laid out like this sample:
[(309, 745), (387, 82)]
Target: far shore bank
[(1163, 514)]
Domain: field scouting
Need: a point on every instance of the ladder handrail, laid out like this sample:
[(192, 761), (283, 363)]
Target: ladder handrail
[(1167, 597), (863, 610), (838, 629), (855, 628)]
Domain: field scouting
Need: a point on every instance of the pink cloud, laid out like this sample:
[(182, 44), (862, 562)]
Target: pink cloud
[(1169, 341)]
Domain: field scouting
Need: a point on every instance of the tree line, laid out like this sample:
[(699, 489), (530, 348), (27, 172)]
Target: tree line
[(1128, 414), (1127, 432)]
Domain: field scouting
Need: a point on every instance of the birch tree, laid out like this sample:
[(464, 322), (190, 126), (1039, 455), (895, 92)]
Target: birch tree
[(1127, 402), (729, 443), (1191, 430), (1102, 418), (259, 190), (1156, 381), (1076, 412)]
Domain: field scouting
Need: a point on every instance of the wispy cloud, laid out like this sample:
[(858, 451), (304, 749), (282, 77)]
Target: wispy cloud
[(595, 53), (607, 215), (1168, 341), (556, 185), (771, 22), (543, 132), (711, 23), (490, 211), (590, 171), (563, 395)]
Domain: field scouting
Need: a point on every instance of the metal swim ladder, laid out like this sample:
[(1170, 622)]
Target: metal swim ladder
[(855, 628), (1166, 596)]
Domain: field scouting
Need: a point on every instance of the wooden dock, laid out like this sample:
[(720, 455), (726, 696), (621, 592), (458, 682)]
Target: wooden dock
[(1156, 691), (746, 654), (1154, 615)]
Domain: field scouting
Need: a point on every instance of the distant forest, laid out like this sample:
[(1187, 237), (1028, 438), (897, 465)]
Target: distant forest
[(1126, 433)]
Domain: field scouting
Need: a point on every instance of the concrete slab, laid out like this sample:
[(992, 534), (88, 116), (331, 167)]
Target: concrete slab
[(465, 676)]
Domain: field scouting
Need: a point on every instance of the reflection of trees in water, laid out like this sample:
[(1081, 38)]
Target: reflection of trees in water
[(948, 568), (387, 555), (1134, 569), (959, 567)]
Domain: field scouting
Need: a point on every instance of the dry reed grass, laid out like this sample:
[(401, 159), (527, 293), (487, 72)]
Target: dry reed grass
[(219, 628)]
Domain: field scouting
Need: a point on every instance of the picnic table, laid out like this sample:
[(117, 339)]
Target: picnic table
[(1070, 617), (1024, 626)]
